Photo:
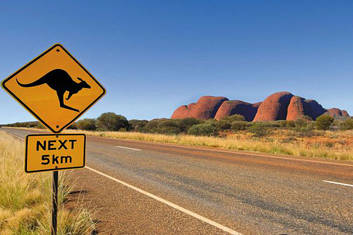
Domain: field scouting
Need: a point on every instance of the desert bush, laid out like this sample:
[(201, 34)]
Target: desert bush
[(137, 125), (324, 122), (234, 117), (300, 123), (347, 124), (163, 126), (111, 122), (307, 118), (169, 126), (151, 126), (204, 129), (24, 124), (223, 125), (186, 123), (239, 125), (259, 129), (282, 123), (87, 124), (288, 124), (272, 124)]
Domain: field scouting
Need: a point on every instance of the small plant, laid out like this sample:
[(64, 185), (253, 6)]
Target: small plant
[(347, 124), (205, 129), (186, 123), (137, 125), (112, 122), (223, 125), (87, 124), (239, 125), (234, 117), (259, 130), (324, 122)]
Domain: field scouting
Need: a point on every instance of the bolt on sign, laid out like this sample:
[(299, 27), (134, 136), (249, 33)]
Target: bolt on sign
[(47, 152), (55, 88)]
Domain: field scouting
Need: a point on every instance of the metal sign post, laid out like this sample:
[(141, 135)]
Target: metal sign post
[(54, 216)]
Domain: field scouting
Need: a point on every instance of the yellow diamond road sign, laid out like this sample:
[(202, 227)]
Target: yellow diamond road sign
[(55, 88)]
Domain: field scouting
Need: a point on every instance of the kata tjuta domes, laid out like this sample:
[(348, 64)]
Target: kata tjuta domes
[(278, 106)]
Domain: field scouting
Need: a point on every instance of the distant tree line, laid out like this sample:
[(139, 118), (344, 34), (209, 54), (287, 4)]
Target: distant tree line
[(114, 122)]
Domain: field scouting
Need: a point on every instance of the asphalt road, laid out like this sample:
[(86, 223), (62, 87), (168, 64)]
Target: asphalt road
[(245, 193)]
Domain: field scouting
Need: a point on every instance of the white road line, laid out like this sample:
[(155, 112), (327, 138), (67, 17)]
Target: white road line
[(333, 182), (123, 147), (175, 206)]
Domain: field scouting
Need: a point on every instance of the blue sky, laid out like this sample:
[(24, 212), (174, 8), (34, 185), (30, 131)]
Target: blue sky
[(153, 56)]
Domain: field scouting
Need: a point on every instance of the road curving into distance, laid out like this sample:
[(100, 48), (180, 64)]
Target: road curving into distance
[(148, 188)]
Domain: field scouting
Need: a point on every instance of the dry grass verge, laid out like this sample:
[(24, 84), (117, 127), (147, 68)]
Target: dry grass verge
[(322, 144), (334, 145), (25, 199)]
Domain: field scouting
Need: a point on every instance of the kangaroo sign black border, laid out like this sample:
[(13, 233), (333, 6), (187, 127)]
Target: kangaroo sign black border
[(33, 112)]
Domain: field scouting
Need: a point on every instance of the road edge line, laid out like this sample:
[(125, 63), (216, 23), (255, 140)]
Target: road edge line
[(171, 204), (128, 148), (338, 183)]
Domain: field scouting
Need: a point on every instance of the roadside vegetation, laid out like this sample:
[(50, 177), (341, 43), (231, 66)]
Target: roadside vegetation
[(324, 138), (25, 199)]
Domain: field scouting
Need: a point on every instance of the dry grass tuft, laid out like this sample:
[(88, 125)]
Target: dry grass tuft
[(25, 199)]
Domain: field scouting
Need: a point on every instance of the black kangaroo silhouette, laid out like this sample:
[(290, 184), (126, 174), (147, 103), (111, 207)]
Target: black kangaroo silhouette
[(60, 81)]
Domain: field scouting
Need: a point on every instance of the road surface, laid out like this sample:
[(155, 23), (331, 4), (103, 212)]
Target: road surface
[(147, 188)]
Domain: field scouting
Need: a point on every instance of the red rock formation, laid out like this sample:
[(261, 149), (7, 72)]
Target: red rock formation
[(313, 109), (205, 108), (278, 106), (299, 107), (257, 105), (337, 113), (237, 107), (274, 107), (182, 112), (345, 113), (295, 108)]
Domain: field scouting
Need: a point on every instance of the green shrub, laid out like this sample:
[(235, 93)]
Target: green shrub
[(40, 126), (347, 124), (137, 125), (169, 126), (307, 118), (87, 124), (163, 126), (324, 122), (239, 125), (290, 124), (186, 123), (223, 125), (300, 123), (272, 124), (259, 129), (151, 126), (234, 117), (111, 122), (204, 129)]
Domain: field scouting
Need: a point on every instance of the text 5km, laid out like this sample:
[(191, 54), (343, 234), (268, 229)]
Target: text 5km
[(46, 159)]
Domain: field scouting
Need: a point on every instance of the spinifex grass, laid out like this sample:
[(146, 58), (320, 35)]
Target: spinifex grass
[(25, 199)]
